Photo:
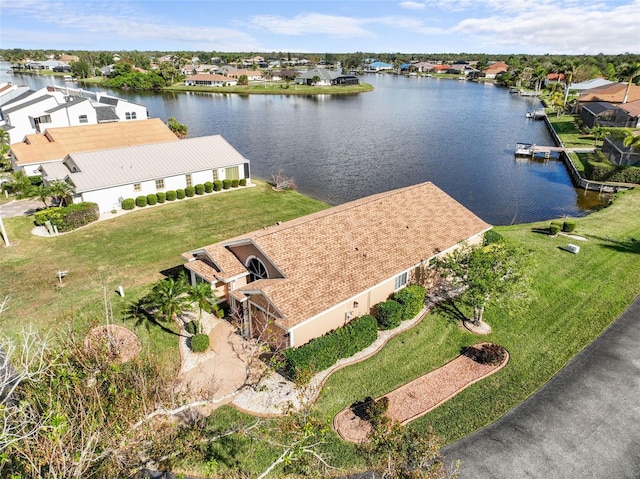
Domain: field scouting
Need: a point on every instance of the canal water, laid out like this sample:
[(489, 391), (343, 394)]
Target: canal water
[(460, 135)]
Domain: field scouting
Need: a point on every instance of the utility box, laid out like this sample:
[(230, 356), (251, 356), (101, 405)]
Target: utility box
[(571, 248)]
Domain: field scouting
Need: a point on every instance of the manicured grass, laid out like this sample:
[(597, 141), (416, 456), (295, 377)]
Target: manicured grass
[(569, 132), (576, 298), (131, 250), (277, 89)]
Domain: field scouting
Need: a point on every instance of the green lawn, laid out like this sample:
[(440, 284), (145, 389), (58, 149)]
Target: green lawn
[(577, 297), (570, 134), (130, 250), (276, 89)]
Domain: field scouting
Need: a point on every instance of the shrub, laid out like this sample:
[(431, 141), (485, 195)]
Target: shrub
[(152, 199), (217, 185), (493, 354), (161, 196), (208, 187), (372, 410), (180, 194), (199, 342), (189, 191), (199, 189), (141, 201), (235, 183), (191, 327), (171, 195), (389, 314), (128, 204), (569, 226), (226, 184), (492, 236), (243, 182), (70, 217), (323, 352), (554, 229), (411, 299)]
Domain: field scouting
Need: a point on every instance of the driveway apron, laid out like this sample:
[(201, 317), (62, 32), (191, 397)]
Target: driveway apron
[(584, 423)]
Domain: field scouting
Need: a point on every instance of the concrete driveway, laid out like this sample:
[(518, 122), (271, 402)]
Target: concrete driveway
[(20, 208), (584, 423)]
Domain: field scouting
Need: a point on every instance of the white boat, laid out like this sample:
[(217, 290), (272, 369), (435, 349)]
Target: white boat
[(68, 78), (529, 114), (524, 149)]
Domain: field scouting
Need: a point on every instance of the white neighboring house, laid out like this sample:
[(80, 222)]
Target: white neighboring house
[(209, 79), (107, 177), (52, 107)]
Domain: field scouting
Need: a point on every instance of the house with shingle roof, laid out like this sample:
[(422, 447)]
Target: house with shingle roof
[(56, 143), (300, 279), (107, 177)]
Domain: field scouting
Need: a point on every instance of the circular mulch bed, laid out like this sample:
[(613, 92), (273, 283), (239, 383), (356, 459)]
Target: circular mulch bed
[(420, 396), (122, 343)]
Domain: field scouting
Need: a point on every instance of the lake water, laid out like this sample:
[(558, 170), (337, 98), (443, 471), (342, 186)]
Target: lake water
[(458, 134)]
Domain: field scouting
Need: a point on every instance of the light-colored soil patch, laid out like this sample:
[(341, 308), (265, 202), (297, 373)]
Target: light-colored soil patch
[(121, 343), (420, 396)]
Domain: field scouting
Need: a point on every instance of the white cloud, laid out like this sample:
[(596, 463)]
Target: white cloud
[(409, 5), (309, 24)]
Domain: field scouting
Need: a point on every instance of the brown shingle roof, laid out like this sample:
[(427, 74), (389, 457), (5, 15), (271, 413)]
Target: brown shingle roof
[(56, 143), (613, 93), (332, 255)]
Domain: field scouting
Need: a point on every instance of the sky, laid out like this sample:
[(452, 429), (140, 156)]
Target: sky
[(538, 27)]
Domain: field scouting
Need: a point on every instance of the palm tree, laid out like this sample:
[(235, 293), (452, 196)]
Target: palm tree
[(168, 298), (630, 71), (569, 70), (599, 132), (61, 190), (41, 192), (203, 296), (631, 140)]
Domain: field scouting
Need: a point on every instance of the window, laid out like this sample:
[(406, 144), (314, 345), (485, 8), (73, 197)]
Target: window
[(83, 119), (130, 115), (257, 269), (231, 173), (159, 184), (401, 280), (215, 175), (189, 180), (137, 187)]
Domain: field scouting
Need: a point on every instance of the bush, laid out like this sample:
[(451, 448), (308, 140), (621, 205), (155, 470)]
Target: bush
[(323, 352), (372, 410), (161, 196), (128, 204), (141, 201), (199, 342), (569, 226), (554, 229), (226, 184), (486, 354), (217, 185), (152, 199), (171, 195), (180, 194), (208, 187), (389, 314), (235, 183), (199, 189), (411, 299), (70, 217), (189, 191), (243, 182), (191, 327), (491, 237)]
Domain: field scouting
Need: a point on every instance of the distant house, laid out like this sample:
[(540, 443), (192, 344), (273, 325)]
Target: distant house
[(300, 279), (589, 84), (68, 58), (106, 177), (325, 77), (252, 75), (601, 113), (617, 92), (461, 69), (56, 143), (213, 80), (495, 69), (380, 66)]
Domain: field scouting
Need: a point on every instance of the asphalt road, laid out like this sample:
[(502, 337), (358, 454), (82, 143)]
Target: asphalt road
[(584, 423)]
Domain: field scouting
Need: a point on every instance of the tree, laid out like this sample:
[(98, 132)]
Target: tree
[(486, 274), (81, 69), (599, 133), (41, 192), (243, 80), (61, 190), (315, 80), (179, 129), (169, 299), (630, 71), (203, 296), (631, 140)]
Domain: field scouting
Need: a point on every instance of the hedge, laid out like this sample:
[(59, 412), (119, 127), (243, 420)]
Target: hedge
[(171, 195), (569, 226), (243, 182), (152, 199), (180, 194), (141, 201), (128, 204), (323, 352), (199, 342), (411, 299), (554, 228), (70, 217), (189, 191), (199, 189), (161, 196), (389, 314), (208, 187), (235, 183), (217, 185), (226, 184)]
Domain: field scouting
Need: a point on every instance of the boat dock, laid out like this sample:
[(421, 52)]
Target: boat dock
[(531, 150)]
